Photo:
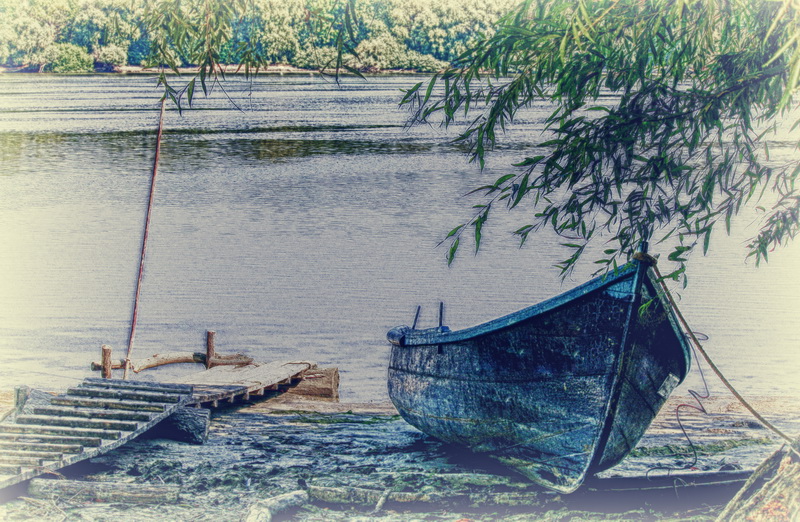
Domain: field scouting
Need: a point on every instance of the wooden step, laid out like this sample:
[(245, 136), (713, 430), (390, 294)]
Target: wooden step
[(10, 470), (20, 453), (131, 395), (110, 404), (92, 442), (27, 461), (181, 389), (40, 446), (75, 422), (91, 413), (60, 430)]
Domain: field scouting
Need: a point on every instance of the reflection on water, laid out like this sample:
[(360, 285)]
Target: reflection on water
[(302, 227)]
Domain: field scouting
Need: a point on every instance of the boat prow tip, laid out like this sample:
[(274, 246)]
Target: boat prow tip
[(397, 335)]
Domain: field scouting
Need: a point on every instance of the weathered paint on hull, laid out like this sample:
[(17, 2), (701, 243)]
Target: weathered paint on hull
[(546, 390)]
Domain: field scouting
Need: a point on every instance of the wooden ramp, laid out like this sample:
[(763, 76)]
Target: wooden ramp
[(88, 420), (227, 383)]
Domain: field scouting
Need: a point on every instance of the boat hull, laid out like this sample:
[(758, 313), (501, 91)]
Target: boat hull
[(557, 390)]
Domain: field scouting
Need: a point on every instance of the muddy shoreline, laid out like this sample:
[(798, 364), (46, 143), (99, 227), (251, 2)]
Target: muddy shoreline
[(261, 450)]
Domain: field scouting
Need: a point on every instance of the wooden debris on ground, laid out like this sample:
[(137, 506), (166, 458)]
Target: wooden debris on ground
[(264, 510), (116, 492), (771, 493), (318, 382)]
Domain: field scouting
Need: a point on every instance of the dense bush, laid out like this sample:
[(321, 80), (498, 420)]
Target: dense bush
[(67, 58), (111, 55), (393, 34)]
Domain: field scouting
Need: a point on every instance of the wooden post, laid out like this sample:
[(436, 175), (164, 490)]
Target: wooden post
[(210, 354), (106, 361)]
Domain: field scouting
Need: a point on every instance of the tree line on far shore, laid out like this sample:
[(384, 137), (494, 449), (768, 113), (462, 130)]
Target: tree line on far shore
[(89, 35)]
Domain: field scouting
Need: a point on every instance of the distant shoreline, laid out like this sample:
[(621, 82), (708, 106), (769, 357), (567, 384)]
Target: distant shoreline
[(275, 69)]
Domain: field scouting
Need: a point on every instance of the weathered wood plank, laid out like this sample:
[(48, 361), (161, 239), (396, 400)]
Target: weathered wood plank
[(103, 491), (771, 493), (92, 413), (41, 446), (87, 402), (90, 391), (318, 383), (60, 430), (28, 461), (21, 453), (57, 439), (76, 422), (138, 385)]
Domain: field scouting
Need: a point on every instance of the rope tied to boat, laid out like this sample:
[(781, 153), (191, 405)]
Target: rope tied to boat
[(699, 347)]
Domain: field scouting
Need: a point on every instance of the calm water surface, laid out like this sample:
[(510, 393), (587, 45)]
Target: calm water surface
[(302, 226)]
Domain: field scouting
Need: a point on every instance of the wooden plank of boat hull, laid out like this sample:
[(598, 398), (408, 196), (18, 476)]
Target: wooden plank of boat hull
[(76, 422), (133, 395), (89, 402), (60, 430), (92, 413), (58, 439)]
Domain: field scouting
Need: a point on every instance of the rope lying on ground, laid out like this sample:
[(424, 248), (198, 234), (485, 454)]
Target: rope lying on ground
[(713, 366)]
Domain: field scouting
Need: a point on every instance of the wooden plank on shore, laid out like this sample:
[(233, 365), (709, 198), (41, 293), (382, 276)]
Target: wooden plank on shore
[(110, 404), (28, 461), (92, 413), (76, 422), (60, 430), (121, 492), (22, 453), (139, 385), (132, 395), (41, 446), (58, 439)]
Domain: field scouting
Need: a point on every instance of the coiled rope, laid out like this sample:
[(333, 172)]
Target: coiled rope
[(699, 348)]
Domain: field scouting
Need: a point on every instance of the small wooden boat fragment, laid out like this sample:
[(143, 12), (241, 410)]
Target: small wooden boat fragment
[(558, 390)]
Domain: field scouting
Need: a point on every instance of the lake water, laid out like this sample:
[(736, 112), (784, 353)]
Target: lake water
[(301, 225)]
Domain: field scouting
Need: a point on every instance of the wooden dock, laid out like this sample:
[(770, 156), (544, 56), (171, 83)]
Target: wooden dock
[(47, 433), (97, 416), (226, 384)]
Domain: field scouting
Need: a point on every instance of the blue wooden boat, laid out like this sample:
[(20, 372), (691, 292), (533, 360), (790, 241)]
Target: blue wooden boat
[(560, 390)]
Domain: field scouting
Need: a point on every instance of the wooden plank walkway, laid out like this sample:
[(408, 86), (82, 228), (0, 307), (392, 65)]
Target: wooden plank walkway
[(91, 419), (228, 383)]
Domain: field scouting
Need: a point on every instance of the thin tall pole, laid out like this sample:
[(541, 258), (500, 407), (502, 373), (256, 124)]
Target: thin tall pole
[(144, 240)]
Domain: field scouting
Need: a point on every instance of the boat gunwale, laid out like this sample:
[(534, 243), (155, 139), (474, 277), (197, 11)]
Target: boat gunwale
[(435, 336)]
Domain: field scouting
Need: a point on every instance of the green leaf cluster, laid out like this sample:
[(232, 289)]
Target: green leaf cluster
[(661, 115)]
